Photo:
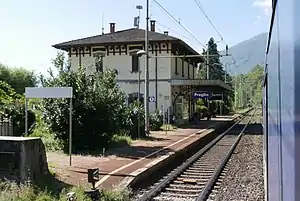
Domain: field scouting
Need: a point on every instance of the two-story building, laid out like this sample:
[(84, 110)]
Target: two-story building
[(118, 50)]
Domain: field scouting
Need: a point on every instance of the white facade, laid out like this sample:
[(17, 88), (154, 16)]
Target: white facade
[(119, 57)]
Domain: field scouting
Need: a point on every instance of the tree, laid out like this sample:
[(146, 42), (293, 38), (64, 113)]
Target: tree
[(216, 71), (12, 106), (99, 106), (18, 78), (249, 89)]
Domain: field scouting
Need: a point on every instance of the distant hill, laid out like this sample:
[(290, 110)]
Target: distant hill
[(251, 50)]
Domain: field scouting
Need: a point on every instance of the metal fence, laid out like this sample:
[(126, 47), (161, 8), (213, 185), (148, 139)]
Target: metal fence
[(6, 126)]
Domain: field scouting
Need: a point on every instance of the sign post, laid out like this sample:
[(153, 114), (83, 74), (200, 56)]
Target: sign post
[(50, 92)]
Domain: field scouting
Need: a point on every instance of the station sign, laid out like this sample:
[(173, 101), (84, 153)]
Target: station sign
[(201, 94), (217, 96)]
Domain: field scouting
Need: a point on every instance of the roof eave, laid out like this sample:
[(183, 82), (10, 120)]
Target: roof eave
[(200, 59), (68, 46)]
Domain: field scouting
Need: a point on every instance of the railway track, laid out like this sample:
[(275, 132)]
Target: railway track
[(196, 177)]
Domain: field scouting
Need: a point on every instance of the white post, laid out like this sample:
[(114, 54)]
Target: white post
[(70, 131), (26, 116), (164, 116)]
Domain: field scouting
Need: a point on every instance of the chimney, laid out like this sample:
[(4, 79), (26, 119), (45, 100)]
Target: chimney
[(152, 25), (166, 32), (112, 27)]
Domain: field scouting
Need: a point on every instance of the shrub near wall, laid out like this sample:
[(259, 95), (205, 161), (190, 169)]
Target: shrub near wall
[(99, 107)]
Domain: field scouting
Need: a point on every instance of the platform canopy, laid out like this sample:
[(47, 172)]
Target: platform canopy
[(210, 85)]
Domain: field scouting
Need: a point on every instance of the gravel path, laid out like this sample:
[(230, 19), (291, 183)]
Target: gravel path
[(244, 179)]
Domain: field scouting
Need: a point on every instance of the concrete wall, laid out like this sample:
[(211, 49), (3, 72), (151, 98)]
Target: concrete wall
[(127, 80), (122, 62), (22, 158), (182, 74), (163, 91)]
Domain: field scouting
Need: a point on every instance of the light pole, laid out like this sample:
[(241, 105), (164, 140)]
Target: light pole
[(139, 7), (147, 70), (139, 54)]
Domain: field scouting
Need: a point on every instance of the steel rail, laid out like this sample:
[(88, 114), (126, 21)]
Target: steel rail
[(176, 172), (205, 192)]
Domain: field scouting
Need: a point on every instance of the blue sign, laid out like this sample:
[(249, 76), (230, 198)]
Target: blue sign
[(201, 94), (217, 97), (151, 99)]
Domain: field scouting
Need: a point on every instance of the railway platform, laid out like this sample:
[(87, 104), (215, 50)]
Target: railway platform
[(121, 166)]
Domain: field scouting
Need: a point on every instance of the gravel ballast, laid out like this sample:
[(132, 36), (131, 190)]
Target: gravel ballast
[(243, 180)]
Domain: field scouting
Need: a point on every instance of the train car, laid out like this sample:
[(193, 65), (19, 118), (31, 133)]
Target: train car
[(281, 103)]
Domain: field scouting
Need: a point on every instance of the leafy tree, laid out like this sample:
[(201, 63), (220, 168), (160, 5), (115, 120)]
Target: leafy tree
[(12, 106), (216, 71), (18, 78), (99, 107), (249, 90)]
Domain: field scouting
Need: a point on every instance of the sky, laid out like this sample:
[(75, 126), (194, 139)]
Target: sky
[(30, 28)]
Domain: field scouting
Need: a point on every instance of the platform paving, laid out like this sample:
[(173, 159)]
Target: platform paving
[(120, 163)]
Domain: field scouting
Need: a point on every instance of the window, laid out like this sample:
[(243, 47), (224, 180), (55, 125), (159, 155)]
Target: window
[(134, 97), (134, 63)]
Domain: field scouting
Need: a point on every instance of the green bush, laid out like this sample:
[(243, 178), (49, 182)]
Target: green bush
[(51, 143), (12, 192), (41, 129), (133, 113), (18, 78), (99, 107), (115, 195), (12, 106), (120, 140), (202, 109), (156, 121)]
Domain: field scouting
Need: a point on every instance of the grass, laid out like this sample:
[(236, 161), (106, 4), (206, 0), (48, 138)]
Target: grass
[(168, 127), (240, 110), (26, 192), (120, 140)]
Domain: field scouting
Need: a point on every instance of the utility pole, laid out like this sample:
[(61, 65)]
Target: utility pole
[(147, 123), (225, 72), (207, 73), (207, 62), (102, 24), (240, 101), (235, 91), (139, 98)]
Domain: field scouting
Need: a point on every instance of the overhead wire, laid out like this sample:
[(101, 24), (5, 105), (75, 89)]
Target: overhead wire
[(204, 13), (172, 30), (214, 27), (173, 18)]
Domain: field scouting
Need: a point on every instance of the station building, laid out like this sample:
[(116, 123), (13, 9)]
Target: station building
[(171, 79)]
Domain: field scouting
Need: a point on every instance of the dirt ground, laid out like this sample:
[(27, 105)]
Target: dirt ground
[(76, 174), (117, 157)]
